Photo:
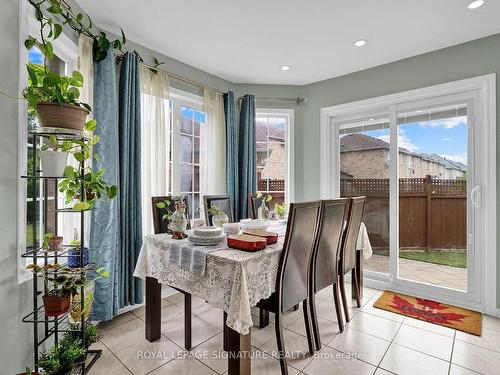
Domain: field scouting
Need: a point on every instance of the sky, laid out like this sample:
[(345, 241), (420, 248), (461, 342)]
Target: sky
[(447, 138)]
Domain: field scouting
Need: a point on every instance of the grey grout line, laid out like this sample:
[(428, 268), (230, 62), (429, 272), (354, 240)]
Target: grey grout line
[(389, 346), (117, 358), (452, 348)]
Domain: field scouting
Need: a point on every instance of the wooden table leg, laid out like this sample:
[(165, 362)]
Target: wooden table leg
[(153, 309), (187, 321), (263, 318), (358, 271), (239, 351)]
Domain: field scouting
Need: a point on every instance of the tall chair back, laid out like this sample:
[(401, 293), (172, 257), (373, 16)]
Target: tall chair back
[(327, 247), (293, 272), (253, 205), (221, 201), (348, 249), (160, 225)]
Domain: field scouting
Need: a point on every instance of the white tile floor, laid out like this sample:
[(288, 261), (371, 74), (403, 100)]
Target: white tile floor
[(381, 342)]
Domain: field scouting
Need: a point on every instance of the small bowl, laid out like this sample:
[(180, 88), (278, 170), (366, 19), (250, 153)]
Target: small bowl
[(231, 228), (255, 224)]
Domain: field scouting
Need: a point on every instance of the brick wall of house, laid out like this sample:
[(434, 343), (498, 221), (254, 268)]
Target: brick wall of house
[(365, 163), (374, 164)]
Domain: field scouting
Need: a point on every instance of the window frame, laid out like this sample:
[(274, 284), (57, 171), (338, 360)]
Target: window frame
[(179, 99), (67, 50), (289, 114)]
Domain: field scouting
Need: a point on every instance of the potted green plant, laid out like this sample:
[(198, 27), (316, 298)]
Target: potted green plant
[(280, 210), (52, 242), (219, 217), (61, 359), (93, 183), (55, 98), (90, 332), (57, 300)]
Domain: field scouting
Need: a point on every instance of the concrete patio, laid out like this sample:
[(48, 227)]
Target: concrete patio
[(445, 276)]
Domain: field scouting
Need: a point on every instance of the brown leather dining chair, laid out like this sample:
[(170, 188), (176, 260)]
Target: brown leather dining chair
[(324, 266), (292, 280), (348, 250), (253, 205), (160, 226), (221, 201)]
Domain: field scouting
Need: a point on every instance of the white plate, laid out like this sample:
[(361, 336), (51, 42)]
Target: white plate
[(207, 241)]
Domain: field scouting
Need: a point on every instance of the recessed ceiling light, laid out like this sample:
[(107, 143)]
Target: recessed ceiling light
[(360, 43), (476, 4), (285, 67)]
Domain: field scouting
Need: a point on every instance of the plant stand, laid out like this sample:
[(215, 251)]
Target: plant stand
[(46, 326)]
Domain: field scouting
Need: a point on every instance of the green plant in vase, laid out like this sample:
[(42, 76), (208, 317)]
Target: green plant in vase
[(280, 209), (219, 217), (263, 210)]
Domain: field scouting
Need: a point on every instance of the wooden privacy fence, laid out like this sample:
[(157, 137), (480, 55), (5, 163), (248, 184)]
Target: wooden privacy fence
[(432, 212)]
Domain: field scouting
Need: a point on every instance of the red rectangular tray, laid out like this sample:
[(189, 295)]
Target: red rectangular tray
[(269, 236), (246, 242)]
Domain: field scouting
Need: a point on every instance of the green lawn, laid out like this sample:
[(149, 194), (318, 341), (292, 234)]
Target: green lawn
[(453, 258)]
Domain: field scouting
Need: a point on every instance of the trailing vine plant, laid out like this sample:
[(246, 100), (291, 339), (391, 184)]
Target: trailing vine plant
[(53, 15)]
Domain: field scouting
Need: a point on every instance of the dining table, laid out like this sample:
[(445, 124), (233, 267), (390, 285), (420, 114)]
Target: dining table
[(232, 280)]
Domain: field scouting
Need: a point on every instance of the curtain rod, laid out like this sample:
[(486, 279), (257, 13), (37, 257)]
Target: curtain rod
[(297, 100), (183, 79), (271, 99)]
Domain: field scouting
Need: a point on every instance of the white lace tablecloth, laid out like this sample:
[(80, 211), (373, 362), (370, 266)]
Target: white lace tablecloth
[(233, 280)]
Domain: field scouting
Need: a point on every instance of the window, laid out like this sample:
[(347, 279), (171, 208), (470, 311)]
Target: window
[(184, 121), (64, 61), (274, 146)]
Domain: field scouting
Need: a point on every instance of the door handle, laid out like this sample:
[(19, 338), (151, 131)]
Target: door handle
[(475, 196)]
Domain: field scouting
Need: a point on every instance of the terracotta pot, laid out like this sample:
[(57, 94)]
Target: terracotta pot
[(55, 243), (56, 305), (32, 373), (54, 115)]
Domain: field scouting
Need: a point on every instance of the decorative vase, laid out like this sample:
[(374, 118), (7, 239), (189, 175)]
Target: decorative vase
[(263, 211), (75, 314), (55, 305), (219, 220), (53, 163), (74, 258), (55, 115), (179, 221)]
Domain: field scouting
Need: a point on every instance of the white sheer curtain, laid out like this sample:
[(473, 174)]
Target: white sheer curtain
[(213, 145), (155, 140), (85, 65)]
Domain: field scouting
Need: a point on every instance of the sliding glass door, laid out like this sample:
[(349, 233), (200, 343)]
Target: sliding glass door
[(415, 163)]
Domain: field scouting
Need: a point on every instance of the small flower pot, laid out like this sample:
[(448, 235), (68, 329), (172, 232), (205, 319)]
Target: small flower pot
[(31, 373), (53, 163), (55, 243), (74, 258), (54, 115), (56, 305)]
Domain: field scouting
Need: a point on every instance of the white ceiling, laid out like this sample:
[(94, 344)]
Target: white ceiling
[(248, 41)]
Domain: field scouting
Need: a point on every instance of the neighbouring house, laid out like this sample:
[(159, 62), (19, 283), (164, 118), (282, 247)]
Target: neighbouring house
[(363, 156)]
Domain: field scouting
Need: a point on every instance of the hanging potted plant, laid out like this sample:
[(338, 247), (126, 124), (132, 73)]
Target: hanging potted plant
[(54, 98)]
